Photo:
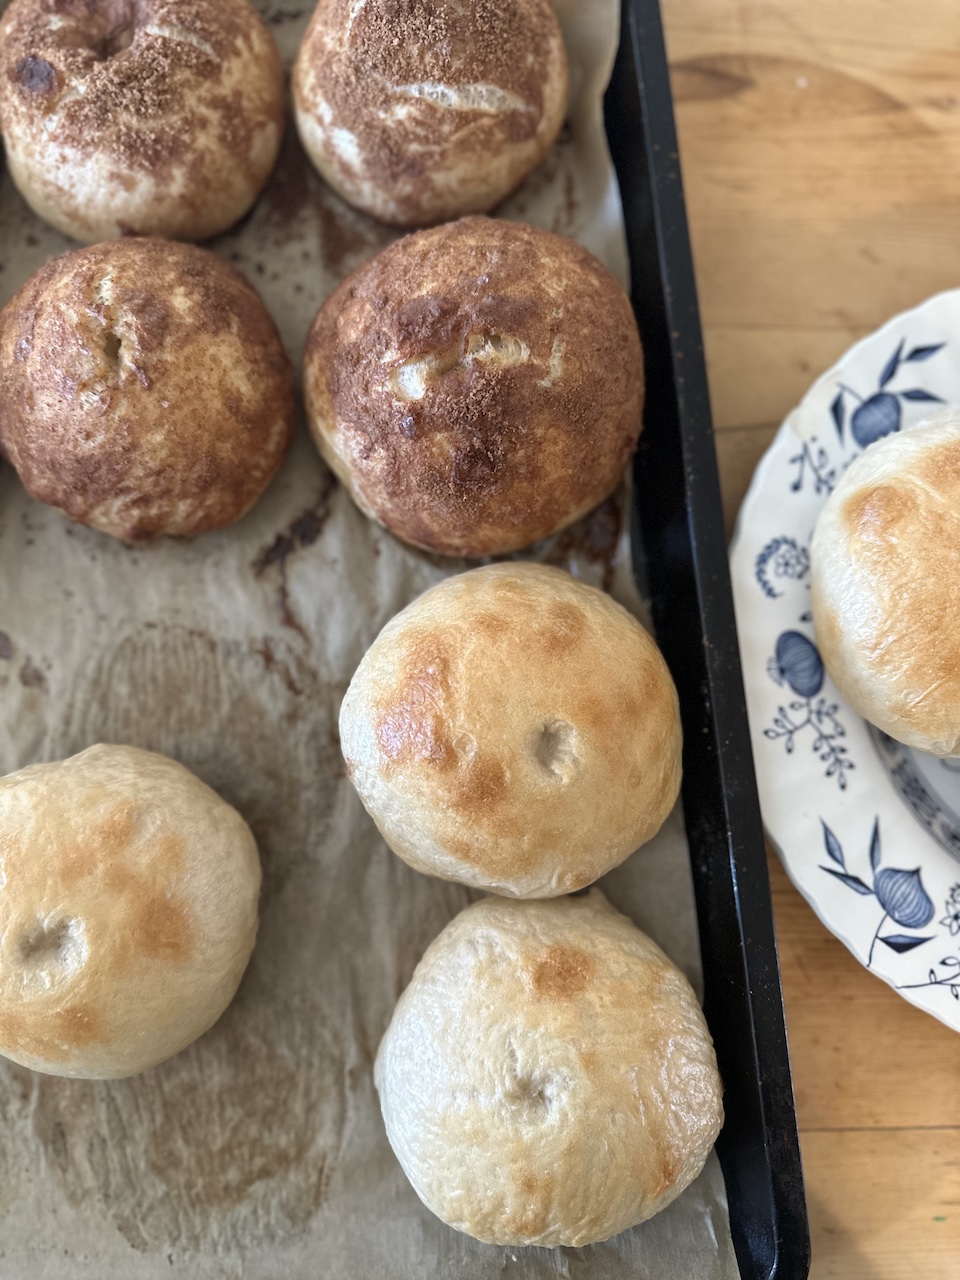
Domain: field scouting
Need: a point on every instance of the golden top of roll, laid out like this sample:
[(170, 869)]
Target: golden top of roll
[(128, 911), (424, 110), (547, 1077), (144, 389), (885, 579), (152, 117), (476, 386), (514, 729)]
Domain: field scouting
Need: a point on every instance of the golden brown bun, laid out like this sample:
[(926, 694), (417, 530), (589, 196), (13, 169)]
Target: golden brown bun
[(885, 582), (424, 110), (477, 386), (128, 911), (143, 389), (548, 1077), (514, 729), (146, 117)]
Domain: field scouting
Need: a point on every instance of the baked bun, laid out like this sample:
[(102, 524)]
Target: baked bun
[(477, 386), (144, 389), (548, 1077), (514, 729), (423, 110), (128, 912), (885, 585), (145, 117)]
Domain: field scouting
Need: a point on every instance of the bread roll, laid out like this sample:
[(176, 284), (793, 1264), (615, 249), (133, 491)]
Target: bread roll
[(421, 111), (885, 585), (128, 911), (145, 117), (144, 389), (476, 387), (515, 730), (548, 1077)]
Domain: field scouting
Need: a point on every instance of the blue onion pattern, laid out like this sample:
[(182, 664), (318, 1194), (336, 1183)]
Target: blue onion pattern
[(900, 893), (875, 418), (799, 664), (903, 897), (877, 413), (881, 413)]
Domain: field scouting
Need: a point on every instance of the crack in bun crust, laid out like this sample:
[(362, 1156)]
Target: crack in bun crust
[(144, 389), (477, 386), (145, 117)]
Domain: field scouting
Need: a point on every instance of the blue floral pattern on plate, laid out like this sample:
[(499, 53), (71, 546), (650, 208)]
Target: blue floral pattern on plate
[(829, 784)]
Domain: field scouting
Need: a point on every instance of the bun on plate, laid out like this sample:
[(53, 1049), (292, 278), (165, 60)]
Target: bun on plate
[(885, 585)]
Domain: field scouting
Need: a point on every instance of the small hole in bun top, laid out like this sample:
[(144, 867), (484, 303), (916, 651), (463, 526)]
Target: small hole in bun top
[(52, 949), (120, 17), (556, 749)]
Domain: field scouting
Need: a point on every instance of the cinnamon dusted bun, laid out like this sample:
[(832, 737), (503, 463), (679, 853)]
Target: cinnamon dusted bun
[(143, 117)]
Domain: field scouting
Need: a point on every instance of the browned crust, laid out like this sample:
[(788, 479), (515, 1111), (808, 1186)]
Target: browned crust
[(110, 81), (494, 456), (904, 535), (357, 57), (159, 402), (529, 758)]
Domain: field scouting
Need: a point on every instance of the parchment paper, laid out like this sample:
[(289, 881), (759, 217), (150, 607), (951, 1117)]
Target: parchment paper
[(259, 1152)]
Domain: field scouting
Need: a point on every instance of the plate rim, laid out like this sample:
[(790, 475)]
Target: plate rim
[(787, 431)]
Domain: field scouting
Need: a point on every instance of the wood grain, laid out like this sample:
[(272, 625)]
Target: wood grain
[(821, 156)]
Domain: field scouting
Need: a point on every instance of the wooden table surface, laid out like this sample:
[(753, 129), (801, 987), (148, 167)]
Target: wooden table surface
[(820, 144)]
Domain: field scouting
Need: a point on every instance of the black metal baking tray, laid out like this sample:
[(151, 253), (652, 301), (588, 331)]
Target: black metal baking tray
[(677, 514)]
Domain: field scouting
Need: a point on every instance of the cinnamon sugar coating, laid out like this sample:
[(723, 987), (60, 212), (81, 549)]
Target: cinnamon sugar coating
[(476, 386), (421, 110), (150, 117), (144, 389)]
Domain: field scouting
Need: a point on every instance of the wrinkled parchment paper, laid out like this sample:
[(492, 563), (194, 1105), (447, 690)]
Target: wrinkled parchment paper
[(260, 1152)]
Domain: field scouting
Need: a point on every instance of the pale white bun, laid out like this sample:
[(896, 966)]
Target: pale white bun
[(144, 117), (885, 585), (548, 1077), (514, 729), (422, 111), (128, 911), (477, 386), (144, 389)]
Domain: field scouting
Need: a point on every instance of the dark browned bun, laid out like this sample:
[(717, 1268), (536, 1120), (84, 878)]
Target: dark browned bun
[(421, 110), (150, 117), (144, 389), (476, 386)]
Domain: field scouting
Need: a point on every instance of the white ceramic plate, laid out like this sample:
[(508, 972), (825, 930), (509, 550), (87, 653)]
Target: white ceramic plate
[(867, 829)]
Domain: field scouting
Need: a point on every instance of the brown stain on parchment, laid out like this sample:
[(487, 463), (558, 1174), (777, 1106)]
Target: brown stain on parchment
[(346, 237), (302, 532), (595, 537), (32, 677), (236, 1138)]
